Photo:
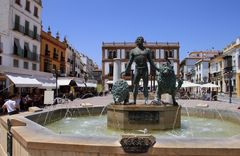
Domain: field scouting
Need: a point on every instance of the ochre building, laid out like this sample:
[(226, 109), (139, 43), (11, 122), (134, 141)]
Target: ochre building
[(53, 53)]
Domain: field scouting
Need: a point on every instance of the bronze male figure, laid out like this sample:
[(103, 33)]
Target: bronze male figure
[(140, 55)]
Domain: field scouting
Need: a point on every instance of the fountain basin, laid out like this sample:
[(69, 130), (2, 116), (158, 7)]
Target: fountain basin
[(140, 116), (34, 139)]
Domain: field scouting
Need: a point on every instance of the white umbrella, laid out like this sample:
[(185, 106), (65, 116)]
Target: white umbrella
[(187, 84), (209, 85)]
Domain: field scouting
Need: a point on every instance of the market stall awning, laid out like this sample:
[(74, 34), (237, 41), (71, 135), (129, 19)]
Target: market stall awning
[(21, 80)]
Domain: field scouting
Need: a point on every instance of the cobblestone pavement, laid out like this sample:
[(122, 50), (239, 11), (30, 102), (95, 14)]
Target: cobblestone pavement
[(105, 100)]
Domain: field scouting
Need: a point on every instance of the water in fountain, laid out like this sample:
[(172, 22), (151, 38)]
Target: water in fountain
[(97, 126)]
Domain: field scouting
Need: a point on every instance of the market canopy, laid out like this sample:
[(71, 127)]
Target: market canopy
[(209, 85), (21, 80)]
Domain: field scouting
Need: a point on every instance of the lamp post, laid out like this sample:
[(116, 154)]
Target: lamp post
[(230, 86), (56, 74)]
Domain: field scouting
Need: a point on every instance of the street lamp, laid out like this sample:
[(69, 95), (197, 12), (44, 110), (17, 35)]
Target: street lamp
[(56, 74), (230, 86), (228, 70)]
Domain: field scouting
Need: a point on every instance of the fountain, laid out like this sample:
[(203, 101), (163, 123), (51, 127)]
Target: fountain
[(154, 129)]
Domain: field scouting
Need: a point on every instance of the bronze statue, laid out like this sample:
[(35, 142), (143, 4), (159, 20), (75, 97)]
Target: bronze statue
[(167, 82), (140, 55)]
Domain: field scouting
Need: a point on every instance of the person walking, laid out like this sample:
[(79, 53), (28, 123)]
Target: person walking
[(11, 105)]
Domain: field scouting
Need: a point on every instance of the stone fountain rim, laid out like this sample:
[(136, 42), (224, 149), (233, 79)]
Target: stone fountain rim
[(34, 136)]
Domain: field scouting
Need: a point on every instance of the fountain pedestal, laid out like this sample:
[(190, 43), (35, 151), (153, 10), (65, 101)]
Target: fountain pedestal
[(140, 116)]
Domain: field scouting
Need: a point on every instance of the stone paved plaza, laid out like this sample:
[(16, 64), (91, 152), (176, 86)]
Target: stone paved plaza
[(105, 100)]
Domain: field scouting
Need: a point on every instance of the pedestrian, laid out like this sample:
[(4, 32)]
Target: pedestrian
[(11, 105)]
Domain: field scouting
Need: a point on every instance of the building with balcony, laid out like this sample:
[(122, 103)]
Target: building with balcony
[(187, 66), (74, 65), (20, 27), (216, 75), (231, 55), (121, 50), (53, 53), (88, 66)]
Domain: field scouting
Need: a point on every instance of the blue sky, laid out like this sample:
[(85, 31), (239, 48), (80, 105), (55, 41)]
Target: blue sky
[(196, 24)]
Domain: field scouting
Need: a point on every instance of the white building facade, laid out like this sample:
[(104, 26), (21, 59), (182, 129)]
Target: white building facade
[(187, 66), (20, 28), (121, 50), (19, 33), (202, 71)]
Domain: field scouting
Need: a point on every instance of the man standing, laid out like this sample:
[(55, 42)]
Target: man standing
[(140, 55), (11, 105)]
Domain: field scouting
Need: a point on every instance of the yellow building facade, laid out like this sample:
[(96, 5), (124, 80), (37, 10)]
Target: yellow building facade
[(53, 53)]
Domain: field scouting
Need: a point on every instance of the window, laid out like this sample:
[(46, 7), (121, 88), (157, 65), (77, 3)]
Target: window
[(110, 70), (110, 55), (25, 65), (170, 54), (127, 55), (34, 32), (55, 54), (34, 49), (46, 50), (114, 54), (34, 66), (34, 54), (26, 50), (17, 23), (18, 2), (0, 60), (35, 11), (16, 47), (238, 61), (27, 6), (165, 54), (1, 45), (15, 63), (26, 27), (152, 54)]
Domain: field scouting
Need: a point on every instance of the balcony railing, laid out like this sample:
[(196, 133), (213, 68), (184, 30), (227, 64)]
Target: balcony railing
[(28, 55), (1, 47), (28, 32)]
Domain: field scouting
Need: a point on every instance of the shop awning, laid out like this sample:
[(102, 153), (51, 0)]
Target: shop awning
[(21, 80), (80, 82), (66, 82), (130, 83), (47, 82), (93, 85)]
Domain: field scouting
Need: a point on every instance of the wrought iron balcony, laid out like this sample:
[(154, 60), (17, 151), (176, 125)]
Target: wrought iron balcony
[(28, 32), (33, 56)]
